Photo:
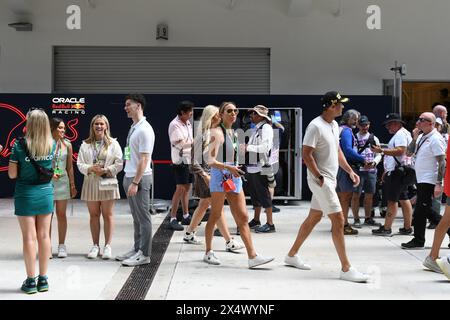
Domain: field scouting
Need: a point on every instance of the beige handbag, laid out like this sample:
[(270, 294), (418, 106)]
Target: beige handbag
[(107, 184)]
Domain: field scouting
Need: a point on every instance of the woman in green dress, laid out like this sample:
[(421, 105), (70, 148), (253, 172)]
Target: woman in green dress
[(63, 182), (33, 201)]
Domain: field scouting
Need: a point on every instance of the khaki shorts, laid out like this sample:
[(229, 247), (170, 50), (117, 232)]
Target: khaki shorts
[(324, 198)]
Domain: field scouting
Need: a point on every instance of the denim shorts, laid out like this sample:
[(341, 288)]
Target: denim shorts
[(344, 183), (215, 184), (368, 182)]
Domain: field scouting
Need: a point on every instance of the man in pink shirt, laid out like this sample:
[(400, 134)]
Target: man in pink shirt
[(181, 139)]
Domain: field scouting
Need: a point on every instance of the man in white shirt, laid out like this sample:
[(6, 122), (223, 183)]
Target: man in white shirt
[(258, 147), (323, 156), (137, 180), (181, 140), (428, 149), (396, 189)]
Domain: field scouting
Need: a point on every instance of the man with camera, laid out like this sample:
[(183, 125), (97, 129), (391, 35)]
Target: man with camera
[(367, 173), (428, 151), (349, 149), (396, 188), (259, 172)]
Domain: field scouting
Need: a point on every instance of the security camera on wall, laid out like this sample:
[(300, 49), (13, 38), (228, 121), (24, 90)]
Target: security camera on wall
[(162, 31)]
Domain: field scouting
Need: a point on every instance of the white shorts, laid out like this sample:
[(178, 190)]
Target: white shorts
[(324, 198)]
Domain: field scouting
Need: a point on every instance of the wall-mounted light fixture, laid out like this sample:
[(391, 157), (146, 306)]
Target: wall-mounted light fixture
[(162, 31), (21, 26)]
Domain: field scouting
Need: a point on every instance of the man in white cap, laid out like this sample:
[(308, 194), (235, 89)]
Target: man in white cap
[(258, 147)]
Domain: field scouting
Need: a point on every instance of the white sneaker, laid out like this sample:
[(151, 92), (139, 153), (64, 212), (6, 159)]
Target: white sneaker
[(93, 253), (62, 252), (107, 252), (191, 238), (233, 245), (126, 255), (136, 260), (431, 265), (444, 264), (258, 261), (211, 258), (354, 275), (296, 262)]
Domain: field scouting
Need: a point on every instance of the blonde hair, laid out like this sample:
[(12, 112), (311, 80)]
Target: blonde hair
[(205, 125), (38, 136), (91, 139), (223, 105)]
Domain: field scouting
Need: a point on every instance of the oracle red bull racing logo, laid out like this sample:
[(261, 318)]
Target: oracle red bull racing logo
[(69, 106)]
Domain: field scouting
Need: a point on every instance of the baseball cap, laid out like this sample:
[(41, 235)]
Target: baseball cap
[(363, 120), (332, 97)]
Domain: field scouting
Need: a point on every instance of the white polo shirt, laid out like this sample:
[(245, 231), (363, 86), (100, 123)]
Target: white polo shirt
[(141, 140), (428, 147), (402, 138)]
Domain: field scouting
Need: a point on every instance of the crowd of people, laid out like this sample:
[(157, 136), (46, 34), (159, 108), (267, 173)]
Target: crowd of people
[(343, 161)]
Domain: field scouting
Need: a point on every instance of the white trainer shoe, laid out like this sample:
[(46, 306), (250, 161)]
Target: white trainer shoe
[(211, 258), (431, 265), (126, 255), (354, 275), (444, 264), (233, 245), (62, 251), (93, 253), (136, 260), (107, 252), (258, 261), (296, 262), (191, 238)]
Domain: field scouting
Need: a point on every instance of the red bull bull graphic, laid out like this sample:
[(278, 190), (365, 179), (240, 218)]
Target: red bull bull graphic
[(13, 125)]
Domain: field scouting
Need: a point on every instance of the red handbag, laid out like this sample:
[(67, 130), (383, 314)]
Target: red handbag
[(228, 184)]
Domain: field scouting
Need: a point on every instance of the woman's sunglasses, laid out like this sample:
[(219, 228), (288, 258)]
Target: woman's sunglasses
[(235, 111)]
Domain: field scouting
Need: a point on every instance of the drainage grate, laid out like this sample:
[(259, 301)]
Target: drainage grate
[(141, 278)]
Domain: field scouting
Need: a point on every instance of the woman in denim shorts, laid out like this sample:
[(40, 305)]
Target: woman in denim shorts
[(224, 167)]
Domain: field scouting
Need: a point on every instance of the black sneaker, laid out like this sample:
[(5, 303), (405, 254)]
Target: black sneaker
[(412, 245), (42, 284), (371, 222), (217, 233), (357, 224), (29, 286), (381, 231), (275, 209), (404, 231), (254, 224), (186, 221), (349, 231), (266, 228), (432, 225), (174, 225)]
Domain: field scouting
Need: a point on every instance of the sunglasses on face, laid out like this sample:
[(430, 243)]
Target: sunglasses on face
[(423, 120), (235, 111)]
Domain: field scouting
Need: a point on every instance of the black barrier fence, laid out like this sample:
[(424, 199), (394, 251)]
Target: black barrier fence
[(77, 111)]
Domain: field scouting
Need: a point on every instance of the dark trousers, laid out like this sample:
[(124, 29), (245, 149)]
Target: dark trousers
[(423, 211)]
